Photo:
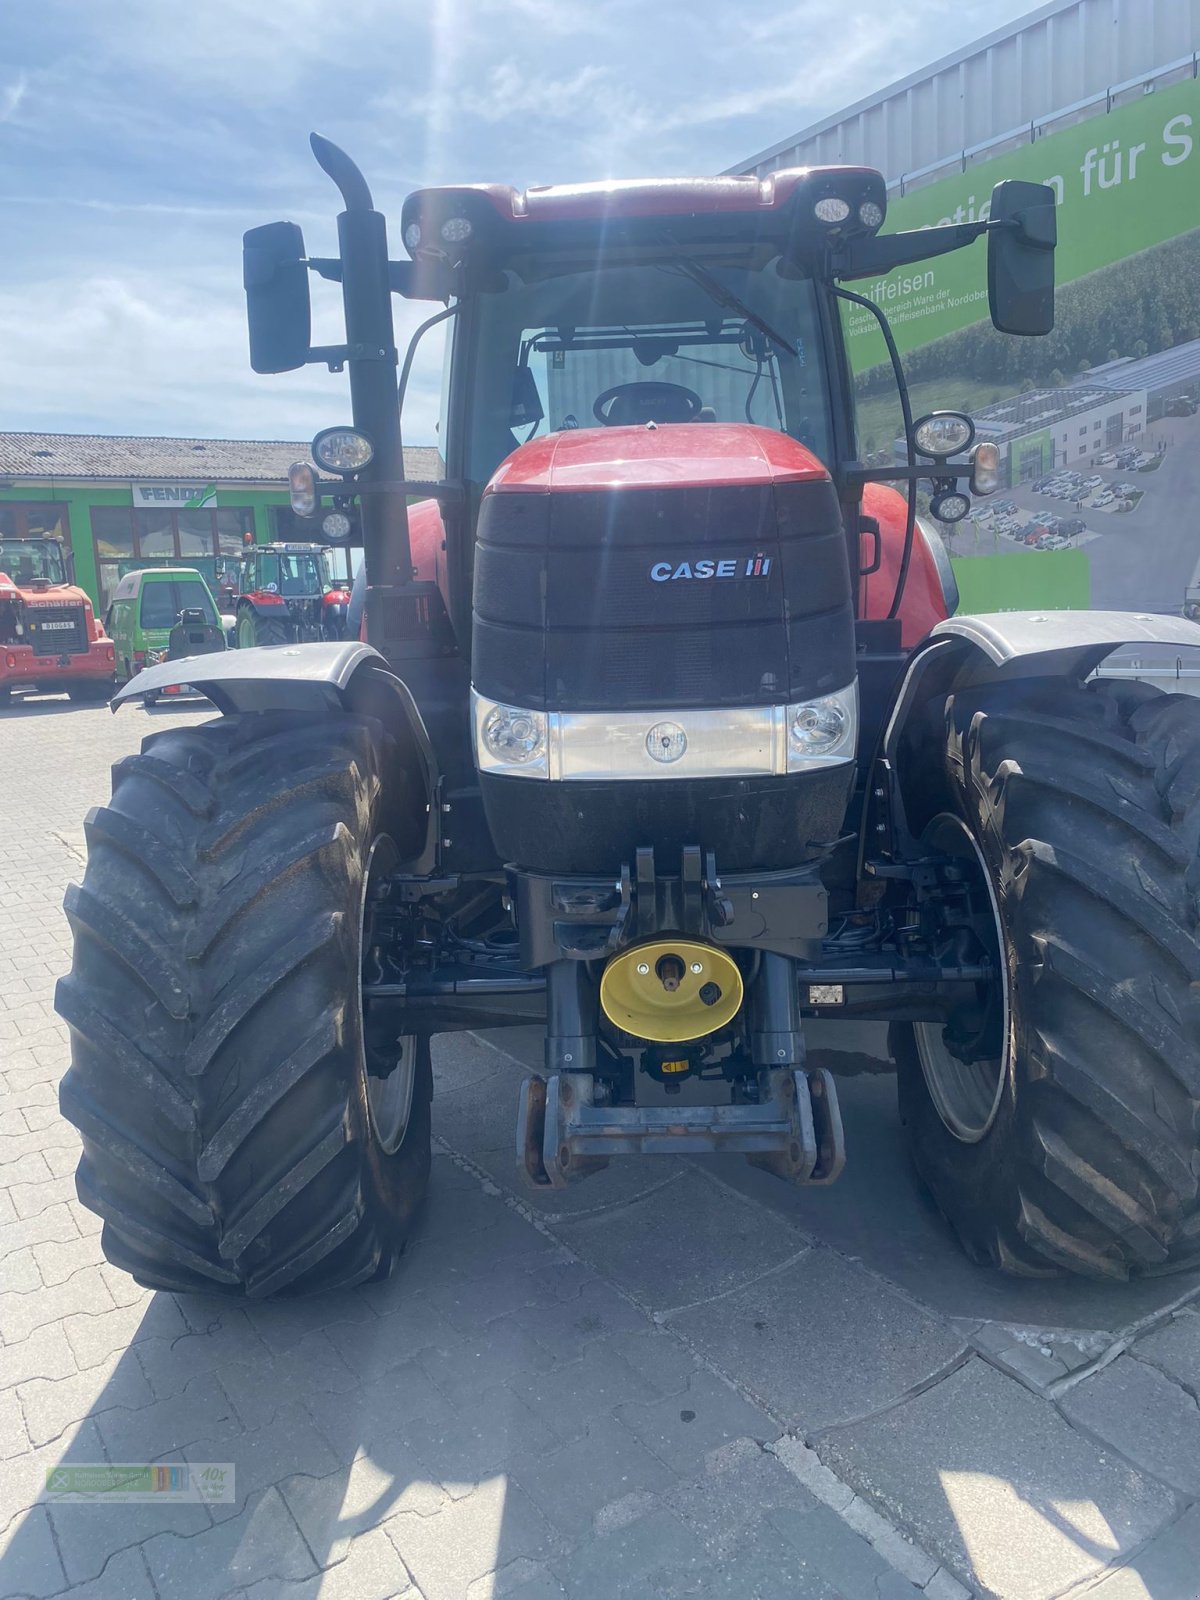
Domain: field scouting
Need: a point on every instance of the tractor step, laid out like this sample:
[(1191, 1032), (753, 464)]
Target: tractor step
[(795, 1130)]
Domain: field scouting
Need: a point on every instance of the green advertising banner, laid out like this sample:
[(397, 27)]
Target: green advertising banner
[(1099, 422), (1124, 182)]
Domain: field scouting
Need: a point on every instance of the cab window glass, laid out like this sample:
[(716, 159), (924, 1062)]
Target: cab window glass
[(158, 606)]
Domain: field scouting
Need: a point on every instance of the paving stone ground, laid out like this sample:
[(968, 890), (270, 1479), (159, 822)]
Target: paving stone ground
[(680, 1379)]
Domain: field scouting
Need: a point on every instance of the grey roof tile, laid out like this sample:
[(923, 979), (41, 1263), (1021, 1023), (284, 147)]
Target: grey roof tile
[(90, 457)]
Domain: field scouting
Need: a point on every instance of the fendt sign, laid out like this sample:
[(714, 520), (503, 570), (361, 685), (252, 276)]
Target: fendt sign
[(184, 496)]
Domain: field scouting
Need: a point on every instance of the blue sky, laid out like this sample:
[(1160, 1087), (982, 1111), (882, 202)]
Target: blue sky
[(138, 138)]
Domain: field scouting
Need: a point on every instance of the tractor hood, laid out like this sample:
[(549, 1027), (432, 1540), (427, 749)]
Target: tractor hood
[(691, 575), (697, 564), (677, 455)]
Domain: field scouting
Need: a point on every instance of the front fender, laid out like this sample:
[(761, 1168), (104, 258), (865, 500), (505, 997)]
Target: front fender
[(991, 647), (1063, 643), (341, 675), (1021, 644), (295, 677)]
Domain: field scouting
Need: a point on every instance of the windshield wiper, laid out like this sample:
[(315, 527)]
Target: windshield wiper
[(717, 291)]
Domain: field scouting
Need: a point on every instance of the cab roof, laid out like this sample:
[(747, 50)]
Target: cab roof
[(131, 582), (461, 222)]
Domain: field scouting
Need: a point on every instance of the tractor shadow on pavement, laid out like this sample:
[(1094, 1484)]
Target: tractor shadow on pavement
[(607, 1391)]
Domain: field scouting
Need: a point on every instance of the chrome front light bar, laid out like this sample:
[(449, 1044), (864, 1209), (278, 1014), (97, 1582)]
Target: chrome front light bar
[(726, 742)]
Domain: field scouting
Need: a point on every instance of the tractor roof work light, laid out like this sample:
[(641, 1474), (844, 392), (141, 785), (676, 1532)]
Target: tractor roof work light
[(342, 450), (832, 208), (302, 488)]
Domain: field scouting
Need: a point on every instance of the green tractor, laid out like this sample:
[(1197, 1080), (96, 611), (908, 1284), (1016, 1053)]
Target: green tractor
[(665, 734)]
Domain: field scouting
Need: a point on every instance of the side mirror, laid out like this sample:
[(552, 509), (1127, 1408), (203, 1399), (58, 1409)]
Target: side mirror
[(277, 304), (1021, 257)]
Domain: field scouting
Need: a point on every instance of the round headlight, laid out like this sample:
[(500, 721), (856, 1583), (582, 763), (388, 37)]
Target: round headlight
[(412, 235), (302, 488), (943, 433), (870, 214), (455, 229), (950, 507), (342, 450), (817, 727), (336, 526), (832, 209), (511, 734)]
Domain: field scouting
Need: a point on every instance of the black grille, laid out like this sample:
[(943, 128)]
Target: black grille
[(57, 630), (672, 596)]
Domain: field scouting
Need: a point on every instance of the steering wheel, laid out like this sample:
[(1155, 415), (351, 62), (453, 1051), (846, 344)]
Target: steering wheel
[(628, 405)]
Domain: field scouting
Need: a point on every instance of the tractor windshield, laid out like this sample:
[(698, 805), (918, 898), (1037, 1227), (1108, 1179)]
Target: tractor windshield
[(291, 573), (665, 341), (28, 560)]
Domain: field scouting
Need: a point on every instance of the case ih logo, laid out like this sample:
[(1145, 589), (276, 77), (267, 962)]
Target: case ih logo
[(756, 566)]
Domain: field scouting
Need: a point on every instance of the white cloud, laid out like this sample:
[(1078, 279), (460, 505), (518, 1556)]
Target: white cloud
[(141, 139), (11, 96), (132, 354)]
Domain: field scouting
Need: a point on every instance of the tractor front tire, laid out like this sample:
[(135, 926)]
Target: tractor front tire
[(1083, 802), (221, 1075)]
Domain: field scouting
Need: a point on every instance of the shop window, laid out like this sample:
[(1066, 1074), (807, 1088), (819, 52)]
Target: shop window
[(232, 526), (155, 535), (126, 539), (112, 530), (194, 530), (33, 519)]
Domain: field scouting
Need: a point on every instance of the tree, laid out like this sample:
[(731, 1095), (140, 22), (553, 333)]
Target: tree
[(1058, 378)]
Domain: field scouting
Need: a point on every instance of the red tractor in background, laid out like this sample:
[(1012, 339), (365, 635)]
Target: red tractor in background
[(50, 640), (287, 596)]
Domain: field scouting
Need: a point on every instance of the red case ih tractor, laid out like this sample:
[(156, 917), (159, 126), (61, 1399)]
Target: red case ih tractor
[(287, 596), (665, 734), (50, 640)]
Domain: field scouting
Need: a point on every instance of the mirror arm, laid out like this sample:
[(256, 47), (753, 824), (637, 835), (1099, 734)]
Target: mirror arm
[(865, 258), (854, 472)]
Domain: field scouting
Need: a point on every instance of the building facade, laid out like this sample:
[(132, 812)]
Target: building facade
[(117, 503)]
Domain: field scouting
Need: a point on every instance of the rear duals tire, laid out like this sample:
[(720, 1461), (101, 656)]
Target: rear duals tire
[(1085, 804), (218, 1066)]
